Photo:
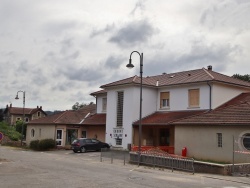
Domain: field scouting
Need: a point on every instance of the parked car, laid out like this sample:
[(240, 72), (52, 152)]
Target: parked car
[(86, 144)]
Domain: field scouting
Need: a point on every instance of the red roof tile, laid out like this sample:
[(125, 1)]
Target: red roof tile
[(18, 110), (67, 117), (163, 118), (95, 119), (99, 92), (233, 112), (185, 77)]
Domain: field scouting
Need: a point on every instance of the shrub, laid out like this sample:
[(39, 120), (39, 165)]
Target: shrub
[(47, 144), (42, 145), (10, 131), (34, 144)]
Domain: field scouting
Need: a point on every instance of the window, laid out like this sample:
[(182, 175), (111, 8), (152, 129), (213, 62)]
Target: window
[(26, 119), (219, 140), (246, 141), (118, 141), (104, 104), (119, 113), (38, 114), (84, 134), (194, 97), (32, 133), (164, 99)]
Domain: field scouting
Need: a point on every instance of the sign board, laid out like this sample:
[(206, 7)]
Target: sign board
[(1, 136), (118, 133)]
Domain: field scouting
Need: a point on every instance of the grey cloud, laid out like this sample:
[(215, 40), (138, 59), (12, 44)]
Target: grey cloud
[(107, 29), (139, 5), (82, 74), (23, 66), (63, 86), (133, 33), (199, 56), (114, 62), (57, 28)]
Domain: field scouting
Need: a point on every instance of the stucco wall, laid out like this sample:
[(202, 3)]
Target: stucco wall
[(223, 93), (99, 100), (179, 97), (41, 132), (201, 142), (131, 110)]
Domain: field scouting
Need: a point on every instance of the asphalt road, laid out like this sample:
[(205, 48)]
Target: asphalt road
[(65, 169)]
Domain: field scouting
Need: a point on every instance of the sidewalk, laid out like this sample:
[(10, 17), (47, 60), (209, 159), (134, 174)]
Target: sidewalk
[(236, 178)]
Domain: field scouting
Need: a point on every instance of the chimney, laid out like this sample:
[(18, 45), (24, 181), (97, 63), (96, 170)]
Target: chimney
[(209, 67), (7, 106), (10, 105), (37, 106), (41, 107)]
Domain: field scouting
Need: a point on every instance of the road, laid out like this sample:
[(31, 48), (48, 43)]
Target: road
[(63, 168)]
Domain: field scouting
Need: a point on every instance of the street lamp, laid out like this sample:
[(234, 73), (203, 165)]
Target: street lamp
[(130, 65), (23, 112)]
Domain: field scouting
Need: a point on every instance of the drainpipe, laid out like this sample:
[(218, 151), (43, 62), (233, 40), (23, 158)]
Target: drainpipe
[(210, 96)]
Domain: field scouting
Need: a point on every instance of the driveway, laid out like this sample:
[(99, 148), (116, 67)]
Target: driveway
[(63, 168)]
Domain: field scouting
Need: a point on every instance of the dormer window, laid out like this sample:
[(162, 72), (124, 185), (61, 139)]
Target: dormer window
[(164, 100), (38, 114)]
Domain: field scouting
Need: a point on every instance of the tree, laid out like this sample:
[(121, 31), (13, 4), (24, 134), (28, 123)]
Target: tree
[(77, 105), (245, 77)]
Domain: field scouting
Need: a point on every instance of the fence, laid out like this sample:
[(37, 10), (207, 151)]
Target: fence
[(114, 155), (156, 157)]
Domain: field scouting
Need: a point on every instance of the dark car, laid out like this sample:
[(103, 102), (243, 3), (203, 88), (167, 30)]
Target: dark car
[(86, 144)]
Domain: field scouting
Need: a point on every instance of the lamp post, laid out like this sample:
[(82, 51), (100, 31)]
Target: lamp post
[(23, 112), (130, 65)]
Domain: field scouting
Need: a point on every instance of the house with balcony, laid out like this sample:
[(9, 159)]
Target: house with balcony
[(166, 99), (14, 114)]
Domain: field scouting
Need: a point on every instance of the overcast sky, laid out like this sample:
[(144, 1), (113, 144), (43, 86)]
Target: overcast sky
[(59, 51)]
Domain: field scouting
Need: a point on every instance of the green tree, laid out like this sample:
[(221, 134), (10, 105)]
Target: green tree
[(245, 77), (19, 127), (77, 105)]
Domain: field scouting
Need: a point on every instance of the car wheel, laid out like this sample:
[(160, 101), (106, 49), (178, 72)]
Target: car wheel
[(83, 150), (75, 151)]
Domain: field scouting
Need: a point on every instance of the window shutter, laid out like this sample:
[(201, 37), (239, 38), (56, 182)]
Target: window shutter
[(194, 97)]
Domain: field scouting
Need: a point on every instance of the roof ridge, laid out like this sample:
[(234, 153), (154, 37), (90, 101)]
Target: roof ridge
[(134, 79), (60, 116), (208, 73)]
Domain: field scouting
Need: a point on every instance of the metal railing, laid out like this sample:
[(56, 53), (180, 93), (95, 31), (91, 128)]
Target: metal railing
[(158, 158), (112, 155)]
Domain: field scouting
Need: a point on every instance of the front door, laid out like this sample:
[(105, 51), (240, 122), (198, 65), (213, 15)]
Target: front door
[(59, 137), (164, 137), (71, 135)]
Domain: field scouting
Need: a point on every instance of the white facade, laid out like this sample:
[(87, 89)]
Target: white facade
[(178, 99)]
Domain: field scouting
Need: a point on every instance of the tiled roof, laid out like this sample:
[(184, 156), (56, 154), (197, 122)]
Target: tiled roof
[(99, 92), (185, 77), (18, 110), (95, 119), (164, 118), (233, 112), (67, 117)]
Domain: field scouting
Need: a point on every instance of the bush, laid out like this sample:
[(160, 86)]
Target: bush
[(34, 145), (47, 144), (42, 145), (10, 131)]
